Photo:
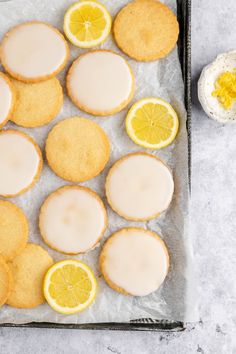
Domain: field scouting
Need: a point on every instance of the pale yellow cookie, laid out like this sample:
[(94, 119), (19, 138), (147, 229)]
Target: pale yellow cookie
[(72, 219), (34, 51), (21, 163), (100, 82), (134, 261), (7, 99), (14, 230), (28, 271), (6, 281), (139, 187), (77, 149), (37, 103), (146, 30)]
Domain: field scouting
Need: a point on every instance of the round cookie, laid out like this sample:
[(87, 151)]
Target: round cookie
[(72, 219), (6, 281), (21, 163), (7, 99), (37, 103), (34, 51), (139, 187), (77, 149), (100, 82), (14, 230), (146, 30), (134, 261), (28, 271)]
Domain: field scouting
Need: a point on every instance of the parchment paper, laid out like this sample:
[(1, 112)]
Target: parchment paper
[(175, 300)]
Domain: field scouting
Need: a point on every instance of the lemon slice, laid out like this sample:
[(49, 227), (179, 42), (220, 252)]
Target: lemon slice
[(69, 286), (152, 123), (87, 23)]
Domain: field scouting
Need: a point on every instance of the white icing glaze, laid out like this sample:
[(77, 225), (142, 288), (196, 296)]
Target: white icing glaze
[(5, 99), (19, 163), (101, 81), (72, 220), (34, 50), (136, 261), (140, 187)]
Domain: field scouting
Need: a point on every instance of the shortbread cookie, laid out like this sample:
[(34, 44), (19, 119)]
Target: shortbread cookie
[(21, 163), (7, 99), (146, 30), (72, 219), (6, 281), (77, 149), (14, 230), (100, 82), (28, 271), (139, 186), (134, 261), (34, 51), (37, 103)]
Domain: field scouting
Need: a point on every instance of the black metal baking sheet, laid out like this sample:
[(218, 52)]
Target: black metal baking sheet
[(184, 50)]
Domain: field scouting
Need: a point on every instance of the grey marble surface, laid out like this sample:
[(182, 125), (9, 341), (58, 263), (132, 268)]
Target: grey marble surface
[(213, 229)]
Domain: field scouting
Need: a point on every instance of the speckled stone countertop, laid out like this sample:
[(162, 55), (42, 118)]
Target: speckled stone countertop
[(213, 229)]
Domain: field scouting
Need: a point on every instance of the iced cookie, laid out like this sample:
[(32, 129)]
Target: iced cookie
[(134, 261), (72, 219), (21, 163), (77, 149), (6, 281), (146, 30), (100, 82), (37, 103), (34, 51), (14, 230), (139, 186), (28, 271), (7, 99)]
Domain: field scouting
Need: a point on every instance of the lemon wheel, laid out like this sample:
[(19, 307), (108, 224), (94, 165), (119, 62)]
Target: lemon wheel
[(87, 23), (152, 123), (70, 286)]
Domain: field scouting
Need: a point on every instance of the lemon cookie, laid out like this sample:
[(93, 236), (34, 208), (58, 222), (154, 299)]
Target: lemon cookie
[(14, 230), (139, 186), (72, 219), (134, 261), (6, 281), (28, 271), (77, 149), (146, 30), (7, 99), (37, 103), (100, 82), (34, 51), (21, 163)]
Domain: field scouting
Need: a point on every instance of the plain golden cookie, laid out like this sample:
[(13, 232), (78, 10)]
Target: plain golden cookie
[(77, 149), (7, 99), (146, 30), (14, 230), (134, 261), (6, 281), (37, 103), (34, 51), (28, 271)]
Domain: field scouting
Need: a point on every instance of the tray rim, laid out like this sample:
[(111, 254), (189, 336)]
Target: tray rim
[(184, 50)]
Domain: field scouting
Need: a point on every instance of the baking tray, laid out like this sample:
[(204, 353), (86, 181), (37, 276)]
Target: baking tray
[(184, 50)]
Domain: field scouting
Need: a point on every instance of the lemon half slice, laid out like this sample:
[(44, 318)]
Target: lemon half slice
[(70, 286), (152, 123), (87, 23)]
